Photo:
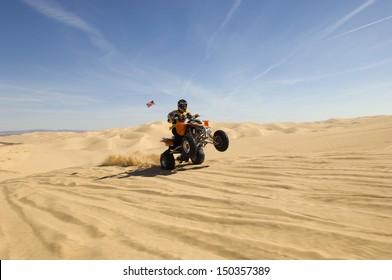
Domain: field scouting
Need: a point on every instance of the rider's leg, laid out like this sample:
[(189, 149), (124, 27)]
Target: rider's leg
[(177, 138)]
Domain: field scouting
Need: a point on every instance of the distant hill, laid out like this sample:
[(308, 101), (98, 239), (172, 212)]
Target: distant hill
[(17, 132)]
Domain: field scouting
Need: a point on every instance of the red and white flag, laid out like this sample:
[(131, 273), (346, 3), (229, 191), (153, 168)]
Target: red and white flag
[(149, 104)]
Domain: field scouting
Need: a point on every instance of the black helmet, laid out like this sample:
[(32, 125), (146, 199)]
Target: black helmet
[(182, 105)]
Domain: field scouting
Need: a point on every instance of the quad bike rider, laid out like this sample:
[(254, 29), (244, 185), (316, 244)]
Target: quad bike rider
[(180, 115), (190, 137)]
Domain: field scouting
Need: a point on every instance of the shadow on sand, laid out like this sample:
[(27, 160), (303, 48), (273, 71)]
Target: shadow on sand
[(152, 172), (9, 143)]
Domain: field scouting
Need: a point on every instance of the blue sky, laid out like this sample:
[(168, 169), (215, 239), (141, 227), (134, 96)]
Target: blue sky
[(93, 64)]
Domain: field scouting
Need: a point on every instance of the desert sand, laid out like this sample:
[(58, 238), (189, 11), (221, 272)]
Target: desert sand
[(315, 190)]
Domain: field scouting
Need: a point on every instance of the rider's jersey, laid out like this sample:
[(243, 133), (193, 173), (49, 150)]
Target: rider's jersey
[(173, 114)]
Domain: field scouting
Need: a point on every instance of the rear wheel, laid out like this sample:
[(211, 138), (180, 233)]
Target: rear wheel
[(189, 148), (221, 140), (199, 157), (167, 160)]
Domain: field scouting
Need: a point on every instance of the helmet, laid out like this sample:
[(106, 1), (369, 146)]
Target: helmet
[(182, 105)]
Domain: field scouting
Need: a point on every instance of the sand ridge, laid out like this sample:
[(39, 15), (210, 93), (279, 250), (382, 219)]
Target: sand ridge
[(316, 190)]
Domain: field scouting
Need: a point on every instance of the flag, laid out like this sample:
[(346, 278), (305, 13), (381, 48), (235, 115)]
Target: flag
[(149, 104)]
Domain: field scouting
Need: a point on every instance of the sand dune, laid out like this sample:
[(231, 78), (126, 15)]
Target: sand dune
[(317, 190)]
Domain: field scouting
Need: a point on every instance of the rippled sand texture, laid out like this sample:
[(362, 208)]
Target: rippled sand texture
[(320, 190)]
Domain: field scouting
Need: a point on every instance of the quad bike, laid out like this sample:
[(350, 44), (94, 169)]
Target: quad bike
[(196, 135)]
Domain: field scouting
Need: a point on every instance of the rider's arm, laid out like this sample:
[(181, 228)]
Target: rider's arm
[(172, 117)]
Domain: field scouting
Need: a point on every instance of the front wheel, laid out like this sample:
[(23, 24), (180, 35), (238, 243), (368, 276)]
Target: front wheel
[(167, 161), (189, 148), (221, 140)]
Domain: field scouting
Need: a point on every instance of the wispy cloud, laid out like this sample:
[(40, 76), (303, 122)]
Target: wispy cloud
[(270, 68), (336, 25), (211, 41), (227, 19), (359, 28), (53, 10), (46, 96), (261, 74), (341, 73)]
